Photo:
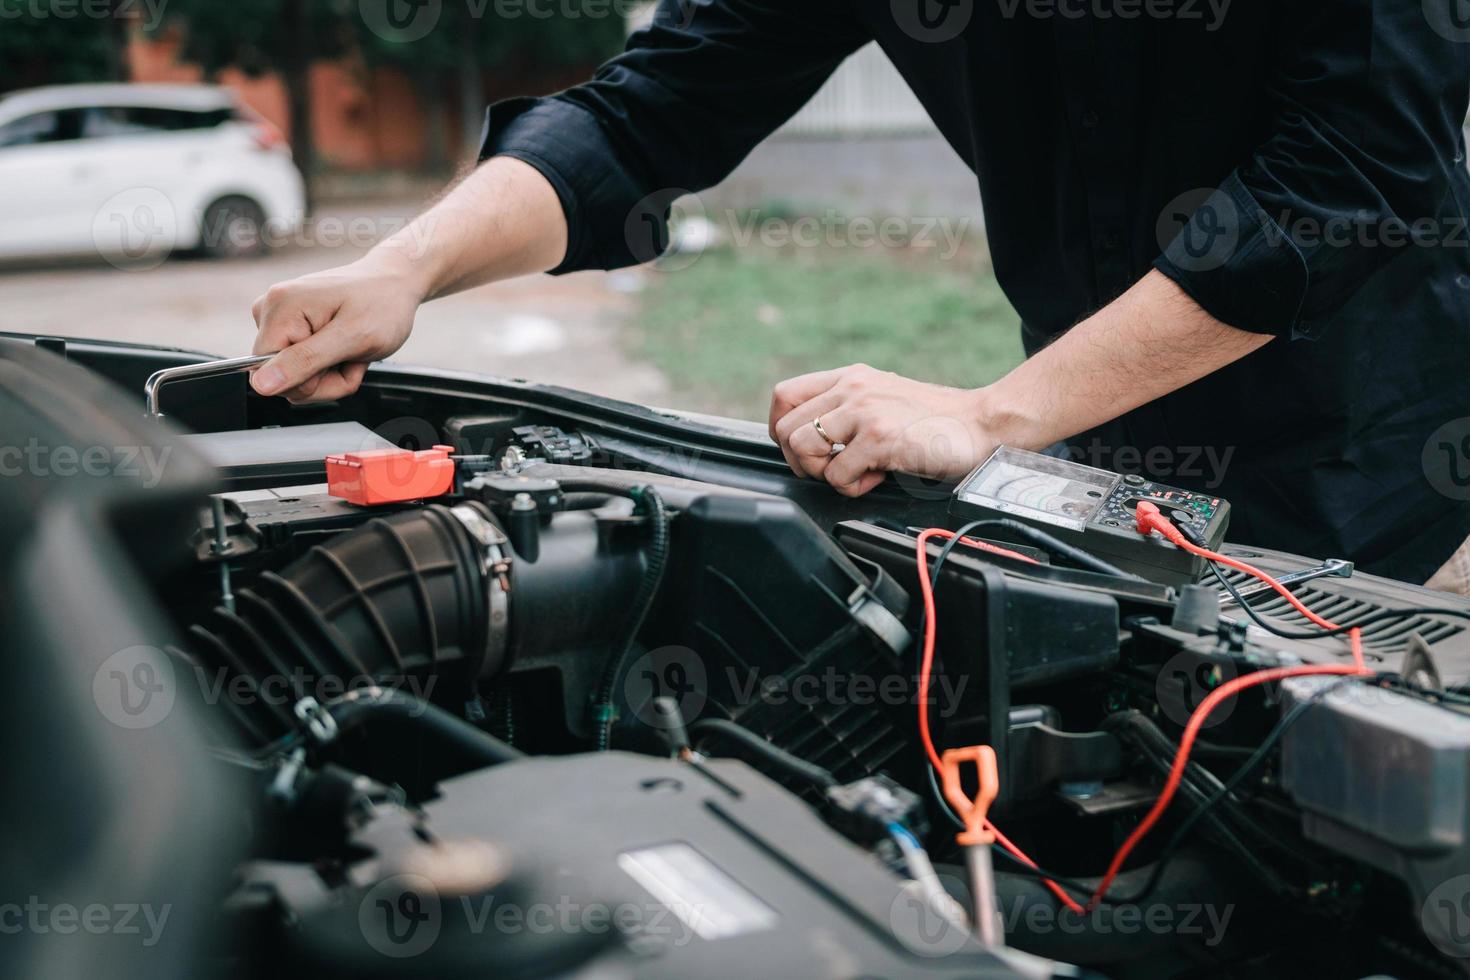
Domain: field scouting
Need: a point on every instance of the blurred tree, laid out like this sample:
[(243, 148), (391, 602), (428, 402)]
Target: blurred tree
[(40, 47), (443, 45), (262, 36), (469, 38)]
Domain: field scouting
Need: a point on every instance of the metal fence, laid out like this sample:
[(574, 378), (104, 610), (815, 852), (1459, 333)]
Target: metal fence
[(866, 96)]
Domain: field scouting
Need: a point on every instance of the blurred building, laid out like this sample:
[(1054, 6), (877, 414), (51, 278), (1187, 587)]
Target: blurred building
[(363, 119)]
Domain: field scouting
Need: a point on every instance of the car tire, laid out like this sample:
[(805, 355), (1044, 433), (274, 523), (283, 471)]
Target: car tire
[(234, 228)]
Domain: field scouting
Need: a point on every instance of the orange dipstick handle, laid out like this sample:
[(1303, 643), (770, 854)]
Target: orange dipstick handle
[(973, 812)]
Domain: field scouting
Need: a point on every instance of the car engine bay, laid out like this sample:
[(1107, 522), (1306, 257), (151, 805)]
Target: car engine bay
[(475, 677)]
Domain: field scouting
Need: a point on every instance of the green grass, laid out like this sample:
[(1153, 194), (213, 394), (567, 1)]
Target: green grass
[(727, 328)]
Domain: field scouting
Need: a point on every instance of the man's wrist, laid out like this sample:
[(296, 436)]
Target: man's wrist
[(1004, 418), (396, 260)]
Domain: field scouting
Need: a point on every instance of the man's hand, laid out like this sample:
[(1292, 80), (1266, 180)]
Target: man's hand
[(329, 326), (885, 423), (1150, 341), (503, 220)]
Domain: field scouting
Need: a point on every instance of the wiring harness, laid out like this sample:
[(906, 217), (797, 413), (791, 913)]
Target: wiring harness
[(1149, 521)]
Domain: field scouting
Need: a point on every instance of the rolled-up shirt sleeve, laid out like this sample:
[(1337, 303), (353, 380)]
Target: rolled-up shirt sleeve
[(691, 95), (1365, 117)]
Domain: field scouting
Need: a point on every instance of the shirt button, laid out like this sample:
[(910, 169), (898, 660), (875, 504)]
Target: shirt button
[(1111, 242), (1090, 119)]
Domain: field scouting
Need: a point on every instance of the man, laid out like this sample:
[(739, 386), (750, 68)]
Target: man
[(1235, 234)]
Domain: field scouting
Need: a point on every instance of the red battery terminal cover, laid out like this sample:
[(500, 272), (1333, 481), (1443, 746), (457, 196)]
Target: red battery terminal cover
[(390, 476)]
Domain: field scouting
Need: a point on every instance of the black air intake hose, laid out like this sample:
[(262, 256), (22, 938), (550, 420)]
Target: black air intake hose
[(398, 598), (419, 600)]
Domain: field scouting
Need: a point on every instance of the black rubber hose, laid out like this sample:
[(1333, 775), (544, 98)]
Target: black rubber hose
[(1194, 887), (371, 706), (793, 765), (652, 503), (1197, 786)]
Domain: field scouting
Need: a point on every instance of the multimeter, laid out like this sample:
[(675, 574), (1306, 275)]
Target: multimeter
[(1093, 509)]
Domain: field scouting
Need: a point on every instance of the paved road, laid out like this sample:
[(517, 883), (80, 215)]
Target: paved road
[(562, 330)]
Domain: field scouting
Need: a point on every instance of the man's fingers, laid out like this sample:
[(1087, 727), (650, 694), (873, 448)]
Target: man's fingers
[(828, 401), (339, 382), (866, 483), (790, 393), (855, 470), (298, 363), (806, 441), (302, 393), (811, 451)]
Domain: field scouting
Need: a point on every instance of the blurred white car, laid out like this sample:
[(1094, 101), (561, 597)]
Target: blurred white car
[(134, 172)]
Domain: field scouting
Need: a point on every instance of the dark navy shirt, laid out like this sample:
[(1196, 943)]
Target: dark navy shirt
[(1296, 166)]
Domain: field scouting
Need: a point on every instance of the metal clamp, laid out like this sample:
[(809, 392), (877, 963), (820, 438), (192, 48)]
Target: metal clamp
[(153, 387), (317, 719), (495, 564)]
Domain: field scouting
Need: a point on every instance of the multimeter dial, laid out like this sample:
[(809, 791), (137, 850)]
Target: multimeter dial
[(1093, 509)]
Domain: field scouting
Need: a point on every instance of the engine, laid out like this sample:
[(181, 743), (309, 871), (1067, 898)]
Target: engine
[(534, 701)]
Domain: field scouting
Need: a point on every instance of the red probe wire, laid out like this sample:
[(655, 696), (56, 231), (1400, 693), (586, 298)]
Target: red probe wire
[(926, 665), (1149, 519)]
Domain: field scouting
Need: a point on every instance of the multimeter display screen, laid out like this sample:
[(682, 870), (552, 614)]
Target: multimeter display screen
[(1039, 487)]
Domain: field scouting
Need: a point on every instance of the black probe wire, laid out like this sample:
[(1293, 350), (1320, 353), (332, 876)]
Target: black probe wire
[(1369, 620), (934, 570), (1055, 546), (934, 789), (1182, 832)]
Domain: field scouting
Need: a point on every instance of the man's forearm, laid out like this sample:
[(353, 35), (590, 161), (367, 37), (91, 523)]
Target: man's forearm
[(1152, 340), (501, 221)]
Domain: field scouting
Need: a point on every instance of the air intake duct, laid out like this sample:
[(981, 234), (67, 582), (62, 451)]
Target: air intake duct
[(430, 600), (396, 601)]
